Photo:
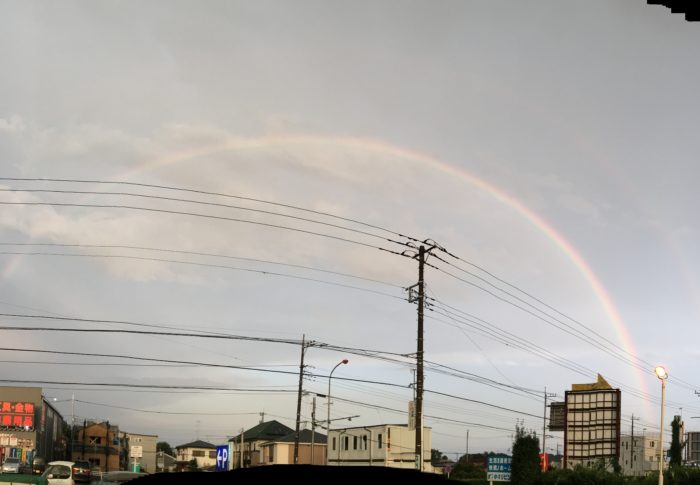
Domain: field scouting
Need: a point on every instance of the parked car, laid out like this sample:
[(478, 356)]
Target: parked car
[(117, 478), (38, 465), (59, 473), (11, 465), (82, 471)]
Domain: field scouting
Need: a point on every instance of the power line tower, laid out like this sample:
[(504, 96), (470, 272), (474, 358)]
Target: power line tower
[(417, 295)]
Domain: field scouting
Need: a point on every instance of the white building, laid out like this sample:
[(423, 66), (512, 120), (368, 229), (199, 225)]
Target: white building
[(640, 456), (389, 445)]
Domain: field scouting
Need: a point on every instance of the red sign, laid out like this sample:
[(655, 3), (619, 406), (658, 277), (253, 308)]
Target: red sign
[(16, 414)]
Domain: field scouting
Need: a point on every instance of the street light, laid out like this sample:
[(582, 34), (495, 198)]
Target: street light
[(328, 414), (662, 375)]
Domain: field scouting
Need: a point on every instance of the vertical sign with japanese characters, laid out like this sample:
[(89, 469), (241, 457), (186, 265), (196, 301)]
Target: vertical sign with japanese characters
[(498, 469)]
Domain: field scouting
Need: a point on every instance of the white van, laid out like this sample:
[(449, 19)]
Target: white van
[(59, 473)]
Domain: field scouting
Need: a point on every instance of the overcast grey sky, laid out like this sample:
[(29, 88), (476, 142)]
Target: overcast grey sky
[(551, 143)]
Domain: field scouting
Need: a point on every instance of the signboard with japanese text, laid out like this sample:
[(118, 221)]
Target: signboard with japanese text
[(18, 415), (498, 469)]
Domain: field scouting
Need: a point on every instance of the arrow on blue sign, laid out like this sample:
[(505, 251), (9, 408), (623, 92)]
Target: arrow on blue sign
[(222, 458)]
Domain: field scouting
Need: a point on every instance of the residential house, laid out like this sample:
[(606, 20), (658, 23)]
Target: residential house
[(281, 450), (252, 441), (390, 445), (203, 452), (99, 444)]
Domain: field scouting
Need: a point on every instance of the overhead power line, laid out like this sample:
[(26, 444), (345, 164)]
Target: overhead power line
[(310, 375), (204, 192), (196, 214), (204, 203), (204, 265), (198, 253)]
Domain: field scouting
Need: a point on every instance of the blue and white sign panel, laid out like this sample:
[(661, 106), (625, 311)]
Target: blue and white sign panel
[(222, 458), (498, 469)]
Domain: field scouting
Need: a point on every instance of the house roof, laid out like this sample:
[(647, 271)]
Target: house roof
[(304, 437), (197, 444), (267, 431)]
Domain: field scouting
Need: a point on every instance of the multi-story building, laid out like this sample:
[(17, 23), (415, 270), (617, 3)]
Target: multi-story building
[(249, 443), (389, 445), (98, 443), (29, 425), (639, 456), (201, 451), (146, 446), (281, 450), (692, 448), (592, 431)]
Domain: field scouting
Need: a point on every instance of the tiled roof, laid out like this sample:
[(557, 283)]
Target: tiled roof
[(267, 431), (304, 437), (196, 444)]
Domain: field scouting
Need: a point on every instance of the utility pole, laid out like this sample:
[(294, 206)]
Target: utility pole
[(632, 446), (313, 428), (301, 382), (419, 352), (544, 425), (467, 453), (242, 431), (72, 423)]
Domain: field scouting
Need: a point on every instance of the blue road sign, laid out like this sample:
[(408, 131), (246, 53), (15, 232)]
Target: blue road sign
[(222, 458), (498, 468)]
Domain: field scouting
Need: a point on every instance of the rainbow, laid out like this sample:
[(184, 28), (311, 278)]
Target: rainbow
[(268, 141), (383, 148)]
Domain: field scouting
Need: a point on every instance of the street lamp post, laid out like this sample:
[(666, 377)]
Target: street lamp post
[(662, 375), (328, 413)]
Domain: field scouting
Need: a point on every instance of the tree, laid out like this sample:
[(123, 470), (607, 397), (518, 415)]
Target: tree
[(676, 448), (192, 465), (436, 456), (164, 446), (467, 471), (525, 465)]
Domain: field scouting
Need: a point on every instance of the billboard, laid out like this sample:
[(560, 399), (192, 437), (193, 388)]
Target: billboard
[(16, 415), (592, 431), (557, 416)]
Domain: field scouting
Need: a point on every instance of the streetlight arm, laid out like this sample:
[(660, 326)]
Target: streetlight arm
[(328, 404)]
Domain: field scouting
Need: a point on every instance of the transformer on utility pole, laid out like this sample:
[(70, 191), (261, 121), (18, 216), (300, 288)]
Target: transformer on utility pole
[(420, 299)]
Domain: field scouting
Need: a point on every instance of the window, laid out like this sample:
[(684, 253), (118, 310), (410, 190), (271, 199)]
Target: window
[(364, 442), (212, 454), (272, 451), (347, 443), (197, 452), (334, 443), (379, 441), (354, 442)]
